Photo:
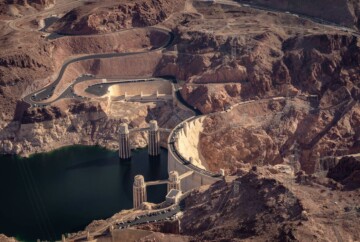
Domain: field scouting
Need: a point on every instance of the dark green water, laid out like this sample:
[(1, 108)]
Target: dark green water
[(55, 193)]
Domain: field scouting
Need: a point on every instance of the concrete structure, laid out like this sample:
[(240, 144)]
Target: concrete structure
[(222, 172), (186, 170), (184, 136), (174, 181), (154, 139), (124, 142), (142, 90), (139, 187), (173, 196), (188, 141), (139, 191)]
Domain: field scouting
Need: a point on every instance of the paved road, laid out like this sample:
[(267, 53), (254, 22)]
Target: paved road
[(166, 214), (14, 24), (40, 96)]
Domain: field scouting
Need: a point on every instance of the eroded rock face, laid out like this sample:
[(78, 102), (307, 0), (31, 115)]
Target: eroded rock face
[(119, 16), (19, 68), (255, 147), (313, 64), (347, 172), (3, 238), (39, 4), (220, 213), (321, 62), (344, 12), (41, 115), (272, 63), (45, 129), (268, 206)]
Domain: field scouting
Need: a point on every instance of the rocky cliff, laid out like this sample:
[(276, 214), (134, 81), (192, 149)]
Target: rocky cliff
[(45, 129), (293, 55), (227, 213), (343, 12), (314, 64), (9, 7), (347, 172), (43, 3), (118, 16), (266, 204)]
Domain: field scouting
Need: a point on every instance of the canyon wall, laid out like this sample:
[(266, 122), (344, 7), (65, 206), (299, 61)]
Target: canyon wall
[(118, 16), (343, 12), (43, 130)]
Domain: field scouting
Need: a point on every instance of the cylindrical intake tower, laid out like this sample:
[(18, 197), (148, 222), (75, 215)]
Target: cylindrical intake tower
[(139, 191), (174, 181), (124, 142), (154, 138)]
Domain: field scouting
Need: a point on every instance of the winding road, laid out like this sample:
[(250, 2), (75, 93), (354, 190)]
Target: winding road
[(39, 97)]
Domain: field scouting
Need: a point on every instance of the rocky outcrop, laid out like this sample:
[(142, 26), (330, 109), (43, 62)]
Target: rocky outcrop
[(18, 70), (321, 62), (262, 206), (226, 213), (41, 115), (3, 238), (247, 146), (38, 4), (24, 2), (344, 12), (46, 129), (119, 16), (314, 64), (347, 172)]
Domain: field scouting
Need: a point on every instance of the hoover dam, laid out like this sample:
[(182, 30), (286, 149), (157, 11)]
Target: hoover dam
[(190, 120)]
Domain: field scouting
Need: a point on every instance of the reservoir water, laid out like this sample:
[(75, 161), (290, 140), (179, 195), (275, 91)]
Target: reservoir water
[(54, 193)]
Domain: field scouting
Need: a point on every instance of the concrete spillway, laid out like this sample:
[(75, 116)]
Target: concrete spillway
[(138, 88)]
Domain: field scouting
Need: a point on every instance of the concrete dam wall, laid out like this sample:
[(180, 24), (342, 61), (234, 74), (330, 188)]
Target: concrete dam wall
[(183, 144), (188, 142)]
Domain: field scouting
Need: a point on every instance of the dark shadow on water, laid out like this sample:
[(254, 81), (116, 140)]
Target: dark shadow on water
[(95, 163), (154, 164), (125, 160), (71, 187)]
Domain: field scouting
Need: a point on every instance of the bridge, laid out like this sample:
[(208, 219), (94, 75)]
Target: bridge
[(139, 186)]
